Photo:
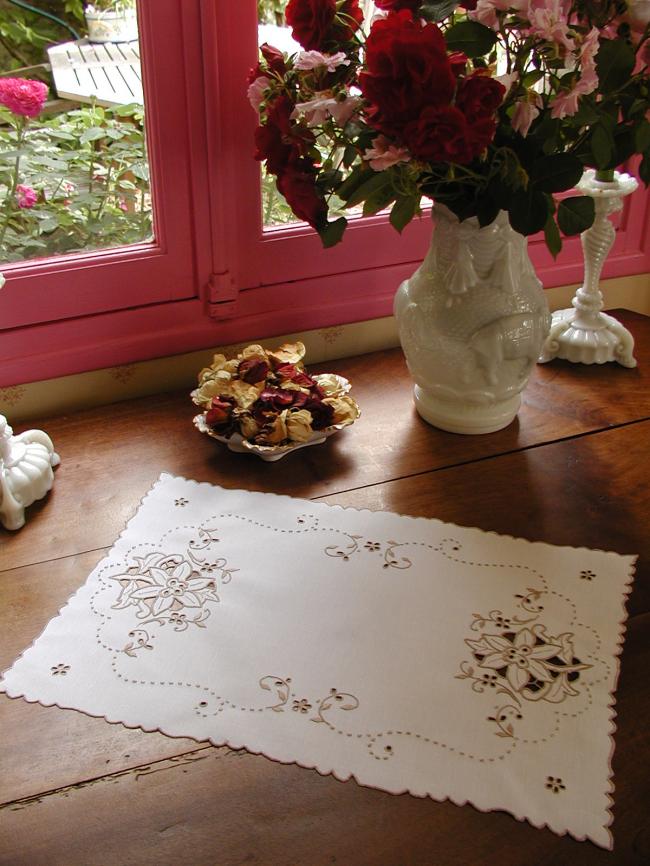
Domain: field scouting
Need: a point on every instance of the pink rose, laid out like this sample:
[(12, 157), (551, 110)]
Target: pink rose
[(26, 196), (22, 96)]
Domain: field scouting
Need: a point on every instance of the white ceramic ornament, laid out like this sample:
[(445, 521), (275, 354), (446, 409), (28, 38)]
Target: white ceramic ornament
[(26, 475)]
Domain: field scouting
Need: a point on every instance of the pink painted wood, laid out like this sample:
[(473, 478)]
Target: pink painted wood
[(102, 309), (61, 287)]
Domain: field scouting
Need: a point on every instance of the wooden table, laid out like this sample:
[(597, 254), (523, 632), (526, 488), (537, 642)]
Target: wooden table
[(78, 791), (107, 72)]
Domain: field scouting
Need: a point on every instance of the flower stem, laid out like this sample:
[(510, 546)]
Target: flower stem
[(10, 200)]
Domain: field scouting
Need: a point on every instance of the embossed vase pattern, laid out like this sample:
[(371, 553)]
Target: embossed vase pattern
[(472, 320)]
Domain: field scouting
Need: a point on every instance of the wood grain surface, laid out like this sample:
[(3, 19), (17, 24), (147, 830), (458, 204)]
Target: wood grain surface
[(78, 791)]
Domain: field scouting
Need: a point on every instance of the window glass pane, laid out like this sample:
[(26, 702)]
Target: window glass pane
[(74, 174)]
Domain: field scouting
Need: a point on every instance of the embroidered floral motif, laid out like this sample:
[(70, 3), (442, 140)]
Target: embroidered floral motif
[(181, 503), (346, 551), (333, 700), (553, 783), (59, 670), (523, 662), (139, 640), (587, 574), (167, 587)]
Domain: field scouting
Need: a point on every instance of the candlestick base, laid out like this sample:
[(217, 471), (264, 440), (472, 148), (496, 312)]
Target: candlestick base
[(604, 340)]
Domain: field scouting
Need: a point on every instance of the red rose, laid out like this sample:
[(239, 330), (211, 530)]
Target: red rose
[(319, 24), (470, 5), (253, 370), (274, 63), (479, 96), (440, 135), (296, 183), (407, 70), (220, 411), (396, 5), (279, 141)]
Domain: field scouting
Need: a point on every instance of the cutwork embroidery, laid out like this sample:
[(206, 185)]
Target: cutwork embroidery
[(59, 670), (524, 662), (355, 545), (555, 784)]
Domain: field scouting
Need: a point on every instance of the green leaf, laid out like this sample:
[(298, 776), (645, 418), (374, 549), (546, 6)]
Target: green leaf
[(378, 181), (332, 233), (470, 37), (552, 236), (556, 173), (92, 134), (644, 169), (404, 210), (379, 200), (358, 176), (349, 155), (642, 137), (437, 10), (528, 211), (602, 146), (614, 64), (575, 214)]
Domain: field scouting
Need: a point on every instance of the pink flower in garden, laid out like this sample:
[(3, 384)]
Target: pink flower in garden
[(314, 59), (123, 206), (22, 96), (26, 196), (383, 154)]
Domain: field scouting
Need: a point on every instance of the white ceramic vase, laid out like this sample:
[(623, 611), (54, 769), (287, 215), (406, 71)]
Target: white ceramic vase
[(471, 319)]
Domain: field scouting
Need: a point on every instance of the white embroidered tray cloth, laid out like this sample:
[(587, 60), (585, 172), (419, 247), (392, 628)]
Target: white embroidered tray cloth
[(411, 654)]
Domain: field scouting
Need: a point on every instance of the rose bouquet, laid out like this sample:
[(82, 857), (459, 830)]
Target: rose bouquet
[(265, 400), (482, 105)]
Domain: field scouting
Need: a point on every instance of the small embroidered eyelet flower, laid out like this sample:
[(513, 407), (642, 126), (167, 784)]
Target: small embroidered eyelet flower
[(587, 574), (490, 680), (301, 706), (372, 545), (502, 622), (60, 670), (555, 784), (181, 503)]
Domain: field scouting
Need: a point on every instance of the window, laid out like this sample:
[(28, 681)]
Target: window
[(212, 274)]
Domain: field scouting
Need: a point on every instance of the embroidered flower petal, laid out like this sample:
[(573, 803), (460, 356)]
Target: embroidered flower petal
[(499, 643), (517, 677), (146, 592), (545, 651), (190, 599), (495, 661), (161, 604), (539, 671)]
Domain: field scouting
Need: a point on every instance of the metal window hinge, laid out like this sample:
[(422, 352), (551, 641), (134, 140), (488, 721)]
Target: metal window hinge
[(221, 294)]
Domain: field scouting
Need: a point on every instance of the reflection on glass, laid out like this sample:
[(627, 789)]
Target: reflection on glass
[(74, 174)]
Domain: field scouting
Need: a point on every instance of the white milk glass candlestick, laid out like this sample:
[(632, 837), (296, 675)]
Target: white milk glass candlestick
[(584, 334)]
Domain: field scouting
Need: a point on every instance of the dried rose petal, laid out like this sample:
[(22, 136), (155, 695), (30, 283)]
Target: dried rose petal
[(219, 413), (253, 370)]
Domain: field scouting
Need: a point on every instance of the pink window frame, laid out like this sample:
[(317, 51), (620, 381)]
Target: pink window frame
[(221, 278)]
